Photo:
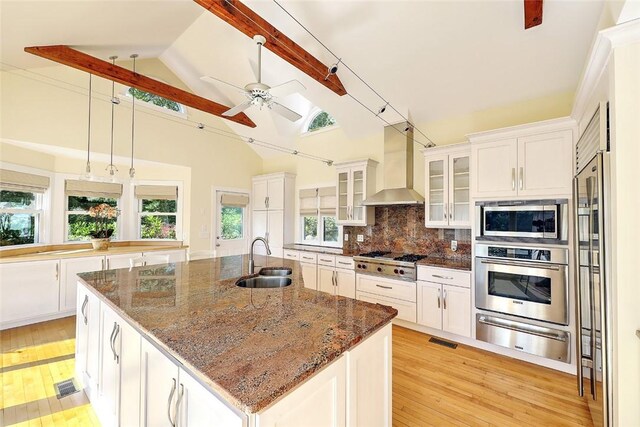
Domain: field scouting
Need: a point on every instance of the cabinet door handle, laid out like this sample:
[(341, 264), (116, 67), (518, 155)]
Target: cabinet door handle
[(178, 403), (450, 210), (442, 277), (108, 264), (57, 271), (113, 332), (333, 279), (444, 300), (173, 390), (384, 287), (102, 263), (438, 298), (513, 178), (444, 210), (84, 306), (521, 178), (115, 337)]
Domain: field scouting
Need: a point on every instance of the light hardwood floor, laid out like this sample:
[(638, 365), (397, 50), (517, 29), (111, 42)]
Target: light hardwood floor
[(432, 385), (35, 357), (436, 385)]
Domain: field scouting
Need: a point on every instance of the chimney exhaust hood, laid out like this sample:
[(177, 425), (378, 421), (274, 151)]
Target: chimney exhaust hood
[(398, 169)]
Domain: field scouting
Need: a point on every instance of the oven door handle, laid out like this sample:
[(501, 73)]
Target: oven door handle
[(521, 264), (513, 327)]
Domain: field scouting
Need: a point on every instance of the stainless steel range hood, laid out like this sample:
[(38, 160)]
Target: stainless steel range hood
[(398, 169)]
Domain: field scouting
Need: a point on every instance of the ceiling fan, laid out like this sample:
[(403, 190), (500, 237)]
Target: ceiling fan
[(259, 94)]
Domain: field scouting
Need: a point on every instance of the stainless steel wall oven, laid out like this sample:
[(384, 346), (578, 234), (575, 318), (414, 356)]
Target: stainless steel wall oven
[(523, 281)]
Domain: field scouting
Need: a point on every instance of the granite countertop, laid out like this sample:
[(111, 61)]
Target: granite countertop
[(250, 346), (313, 248), (77, 251), (453, 263)]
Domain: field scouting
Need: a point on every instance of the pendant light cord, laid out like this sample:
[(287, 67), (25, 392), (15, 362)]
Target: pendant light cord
[(132, 170), (112, 168), (88, 169)]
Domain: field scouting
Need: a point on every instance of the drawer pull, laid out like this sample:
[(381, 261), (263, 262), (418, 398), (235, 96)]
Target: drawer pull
[(325, 260), (304, 257), (384, 287), (442, 277), (344, 263)]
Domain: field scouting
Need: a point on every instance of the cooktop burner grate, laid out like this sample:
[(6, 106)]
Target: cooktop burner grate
[(375, 254), (410, 258)]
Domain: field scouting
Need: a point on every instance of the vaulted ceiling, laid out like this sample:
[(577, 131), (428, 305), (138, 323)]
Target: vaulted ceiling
[(430, 59)]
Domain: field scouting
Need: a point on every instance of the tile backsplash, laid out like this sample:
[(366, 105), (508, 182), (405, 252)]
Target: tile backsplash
[(401, 229)]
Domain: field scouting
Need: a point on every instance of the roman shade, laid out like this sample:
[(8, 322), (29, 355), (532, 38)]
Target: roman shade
[(92, 189), (309, 201), (20, 181), (328, 200), (156, 192), (234, 200)]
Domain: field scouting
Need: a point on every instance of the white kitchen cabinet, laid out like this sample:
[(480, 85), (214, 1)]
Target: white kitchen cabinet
[(88, 340), (398, 294), (309, 275), (29, 292), (526, 161), (337, 281), (69, 269), (272, 215), (320, 401), (176, 255), (326, 279), (171, 397), (121, 261), (355, 182), (444, 300), (447, 178), (119, 389)]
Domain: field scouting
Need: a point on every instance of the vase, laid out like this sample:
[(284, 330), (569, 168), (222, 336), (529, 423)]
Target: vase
[(100, 244)]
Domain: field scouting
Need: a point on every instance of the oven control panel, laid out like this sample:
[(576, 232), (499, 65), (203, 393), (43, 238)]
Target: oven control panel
[(393, 271)]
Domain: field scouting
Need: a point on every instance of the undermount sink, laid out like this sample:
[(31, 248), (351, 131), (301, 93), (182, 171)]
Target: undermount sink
[(274, 271), (272, 281)]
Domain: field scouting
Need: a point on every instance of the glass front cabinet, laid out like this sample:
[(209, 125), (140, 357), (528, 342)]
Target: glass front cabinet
[(447, 201), (356, 182)]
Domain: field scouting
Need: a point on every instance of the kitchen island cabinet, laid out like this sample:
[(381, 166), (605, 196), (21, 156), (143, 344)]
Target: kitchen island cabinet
[(213, 351)]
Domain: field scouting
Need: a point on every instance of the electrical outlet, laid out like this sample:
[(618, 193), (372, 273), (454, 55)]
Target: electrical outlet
[(454, 245), (346, 237), (360, 238)]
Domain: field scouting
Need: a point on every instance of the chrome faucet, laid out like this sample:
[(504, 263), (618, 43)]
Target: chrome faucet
[(266, 245)]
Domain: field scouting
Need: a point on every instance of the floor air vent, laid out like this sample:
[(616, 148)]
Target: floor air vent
[(443, 342), (65, 388)]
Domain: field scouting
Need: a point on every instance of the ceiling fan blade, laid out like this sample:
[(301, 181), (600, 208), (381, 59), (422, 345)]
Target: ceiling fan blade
[(237, 109), (292, 86), (284, 111), (215, 81)]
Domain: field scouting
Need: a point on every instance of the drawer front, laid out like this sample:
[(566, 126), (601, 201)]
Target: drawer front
[(384, 287), (444, 275), (328, 260), (309, 257), (406, 310), (293, 255), (345, 262)]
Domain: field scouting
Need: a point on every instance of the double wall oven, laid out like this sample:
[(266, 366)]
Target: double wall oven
[(522, 276)]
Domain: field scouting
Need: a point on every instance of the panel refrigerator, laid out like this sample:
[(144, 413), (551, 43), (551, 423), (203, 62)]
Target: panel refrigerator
[(592, 288)]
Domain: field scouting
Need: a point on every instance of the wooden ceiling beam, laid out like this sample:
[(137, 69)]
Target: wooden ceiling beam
[(98, 67), (250, 23), (532, 13)]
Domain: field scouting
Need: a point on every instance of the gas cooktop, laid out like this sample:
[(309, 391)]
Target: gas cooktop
[(389, 264)]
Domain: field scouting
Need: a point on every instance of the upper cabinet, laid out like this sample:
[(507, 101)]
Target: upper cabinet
[(447, 177), (269, 191), (525, 161), (356, 182)]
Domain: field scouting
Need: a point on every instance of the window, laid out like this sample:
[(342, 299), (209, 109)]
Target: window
[(318, 216), (21, 212), (321, 120), (232, 207), (155, 100), (83, 195), (157, 211)]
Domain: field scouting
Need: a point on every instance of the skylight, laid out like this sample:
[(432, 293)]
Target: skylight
[(320, 120), (156, 100)]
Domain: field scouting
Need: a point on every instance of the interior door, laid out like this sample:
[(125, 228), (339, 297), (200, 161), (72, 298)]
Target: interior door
[(231, 224)]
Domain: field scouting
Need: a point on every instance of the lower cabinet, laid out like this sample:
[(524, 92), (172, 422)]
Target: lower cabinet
[(398, 294), (171, 397), (69, 268), (445, 307), (120, 261), (337, 281), (29, 292), (178, 255), (309, 275), (88, 340)]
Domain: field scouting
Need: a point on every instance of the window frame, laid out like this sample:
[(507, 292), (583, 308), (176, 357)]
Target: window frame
[(316, 112), (244, 222), (45, 219), (38, 213), (135, 213), (319, 241), (146, 104), (116, 236)]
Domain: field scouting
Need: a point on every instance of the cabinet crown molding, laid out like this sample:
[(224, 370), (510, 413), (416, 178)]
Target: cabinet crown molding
[(446, 149), (358, 162), (274, 175), (527, 129)]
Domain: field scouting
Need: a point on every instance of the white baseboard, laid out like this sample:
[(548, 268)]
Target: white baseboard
[(36, 319)]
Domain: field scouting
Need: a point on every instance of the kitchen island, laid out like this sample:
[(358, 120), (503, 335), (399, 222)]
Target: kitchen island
[(181, 344)]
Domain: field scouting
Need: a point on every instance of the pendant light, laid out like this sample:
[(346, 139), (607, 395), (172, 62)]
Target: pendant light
[(111, 168), (132, 170), (87, 171)]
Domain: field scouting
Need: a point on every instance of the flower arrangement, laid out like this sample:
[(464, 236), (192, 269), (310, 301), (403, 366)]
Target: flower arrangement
[(103, 213)]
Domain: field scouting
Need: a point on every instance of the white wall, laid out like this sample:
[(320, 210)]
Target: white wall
[(48, 106)]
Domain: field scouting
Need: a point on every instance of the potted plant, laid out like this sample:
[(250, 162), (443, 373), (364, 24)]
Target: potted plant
[(103, 213)]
